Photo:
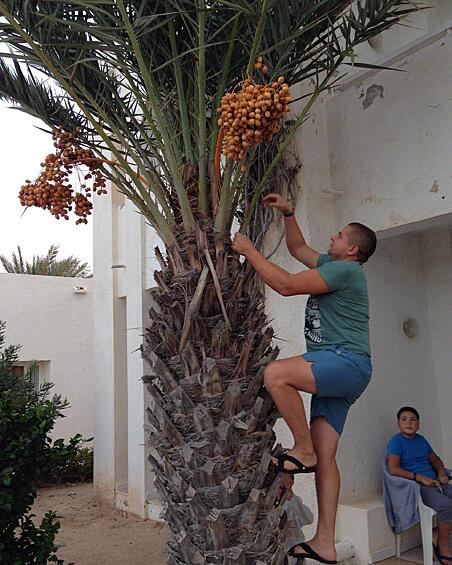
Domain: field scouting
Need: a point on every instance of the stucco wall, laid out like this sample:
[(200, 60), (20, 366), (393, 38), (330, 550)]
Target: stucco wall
[(121, 469), (404, 368), (389, 142), (104, 231), (378, 152), (54, 325), (437, 253)]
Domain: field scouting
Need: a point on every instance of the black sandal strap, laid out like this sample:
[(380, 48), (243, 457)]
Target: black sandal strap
[(301, 467), (441, 558), (309, 554)]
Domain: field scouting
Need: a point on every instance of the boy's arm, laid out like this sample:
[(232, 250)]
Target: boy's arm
[(395, 469), (438, 465)]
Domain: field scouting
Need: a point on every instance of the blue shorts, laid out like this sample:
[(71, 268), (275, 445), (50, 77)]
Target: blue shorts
[(341, 377)]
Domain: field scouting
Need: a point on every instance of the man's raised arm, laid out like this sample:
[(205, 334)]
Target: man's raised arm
[(295, 241)]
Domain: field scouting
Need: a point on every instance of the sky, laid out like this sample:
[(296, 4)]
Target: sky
[(22, 148)]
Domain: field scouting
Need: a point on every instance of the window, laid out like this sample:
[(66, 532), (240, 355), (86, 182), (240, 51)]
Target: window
[(38, 371), (18, 370), (34, 376), (21, 370)]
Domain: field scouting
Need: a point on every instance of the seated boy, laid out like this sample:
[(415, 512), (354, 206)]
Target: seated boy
[(411, 456)]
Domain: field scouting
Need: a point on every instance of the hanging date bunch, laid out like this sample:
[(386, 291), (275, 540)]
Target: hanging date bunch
[(252, 114), (52, 189)]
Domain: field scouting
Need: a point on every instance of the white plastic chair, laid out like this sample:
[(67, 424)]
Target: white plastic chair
[(426, 515)]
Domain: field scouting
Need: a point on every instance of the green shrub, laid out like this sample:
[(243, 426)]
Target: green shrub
[(32, 545), (26, 418), (69, 462)]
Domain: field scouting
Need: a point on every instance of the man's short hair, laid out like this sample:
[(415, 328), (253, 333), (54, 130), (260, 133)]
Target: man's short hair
[(365, 239), (408, 409)]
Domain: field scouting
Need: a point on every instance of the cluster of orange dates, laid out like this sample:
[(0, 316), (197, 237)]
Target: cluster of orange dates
[(52, 190), (252, 115)]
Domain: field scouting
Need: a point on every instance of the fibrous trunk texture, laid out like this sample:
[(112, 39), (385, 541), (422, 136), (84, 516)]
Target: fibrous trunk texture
[(211, 420)]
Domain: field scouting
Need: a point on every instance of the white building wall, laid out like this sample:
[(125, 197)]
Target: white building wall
[(437, 253), (54, 326), (137, 465), (386, 166), (391, 157), (404, 372), (123, 259), (378, 151), (104, 353)]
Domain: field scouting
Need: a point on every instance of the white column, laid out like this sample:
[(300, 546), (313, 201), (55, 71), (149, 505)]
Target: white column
[(135, 330), (104, 451)]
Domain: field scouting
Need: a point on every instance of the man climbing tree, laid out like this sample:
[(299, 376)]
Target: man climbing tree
[(336, 368)]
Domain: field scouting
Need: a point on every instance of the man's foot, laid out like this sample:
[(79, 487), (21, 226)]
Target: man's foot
[(443, 554), (306, 551), (303, 462)]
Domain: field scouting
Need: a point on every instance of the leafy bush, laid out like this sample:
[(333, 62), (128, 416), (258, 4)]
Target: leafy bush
[(69, 462), (32, 545), (26, 418)]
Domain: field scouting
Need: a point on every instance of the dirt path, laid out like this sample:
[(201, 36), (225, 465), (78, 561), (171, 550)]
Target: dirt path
[(91, 535)]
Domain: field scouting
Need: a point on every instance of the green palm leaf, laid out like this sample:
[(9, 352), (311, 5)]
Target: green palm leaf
[(35, 97), (47, 264), (147, 76)]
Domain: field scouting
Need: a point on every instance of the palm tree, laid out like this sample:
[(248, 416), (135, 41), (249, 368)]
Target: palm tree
[(46, 264), (138, 84)]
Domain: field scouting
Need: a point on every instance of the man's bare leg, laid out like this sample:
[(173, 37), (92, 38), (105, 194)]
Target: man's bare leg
[(327, 481), (284, 379)]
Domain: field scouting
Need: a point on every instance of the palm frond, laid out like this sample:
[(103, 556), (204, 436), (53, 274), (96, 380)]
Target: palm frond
[(143, 79), (6, 263), (33, 96), (47, 264)]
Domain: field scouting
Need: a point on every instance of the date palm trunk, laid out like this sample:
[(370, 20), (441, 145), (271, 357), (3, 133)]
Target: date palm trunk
[(211, 419)]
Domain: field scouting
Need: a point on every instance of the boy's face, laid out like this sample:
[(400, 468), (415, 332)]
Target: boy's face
[(408, 423)]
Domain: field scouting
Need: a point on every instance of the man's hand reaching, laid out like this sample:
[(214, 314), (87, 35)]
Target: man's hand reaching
[(276, 201), (241, 244)]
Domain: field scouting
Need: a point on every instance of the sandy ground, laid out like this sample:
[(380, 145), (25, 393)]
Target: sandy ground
[(91, 535), (398, 562)]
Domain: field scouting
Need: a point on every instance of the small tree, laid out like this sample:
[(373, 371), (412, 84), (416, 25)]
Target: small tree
[(47, 264), (26, 418)]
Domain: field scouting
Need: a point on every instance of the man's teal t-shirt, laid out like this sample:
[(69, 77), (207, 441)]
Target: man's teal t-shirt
[(414, 454), (341, 316)]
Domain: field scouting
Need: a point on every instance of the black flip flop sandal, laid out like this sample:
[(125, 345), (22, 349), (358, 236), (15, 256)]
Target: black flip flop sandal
[(300, 467), (309, 553), (443, 559)]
